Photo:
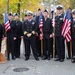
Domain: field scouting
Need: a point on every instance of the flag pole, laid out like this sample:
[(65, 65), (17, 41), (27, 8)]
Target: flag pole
[(7, 11), (53, 24), (41, 48), (71, 49), (54, 43), (41, 30), (7, 6)]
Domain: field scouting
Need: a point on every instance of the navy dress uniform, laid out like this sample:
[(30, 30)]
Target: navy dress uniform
[(29, 28), (47, 31), (69, 51), (19, 34), (38, 41), (11, 36), (60, 46), (73, 35), (1, 35)]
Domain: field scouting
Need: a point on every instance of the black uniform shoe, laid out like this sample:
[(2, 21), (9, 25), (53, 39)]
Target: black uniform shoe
[(61, 60), (13, 58), (26, 59), (8, 59), (73, 60), (18, 57), (57, 59), (44, 58), (68, 58), (48, 58), (36, 58)]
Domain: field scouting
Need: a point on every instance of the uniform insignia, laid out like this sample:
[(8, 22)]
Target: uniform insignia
[(33, 32), (33, 23), (25, 23), (17, 24), (25, 32)]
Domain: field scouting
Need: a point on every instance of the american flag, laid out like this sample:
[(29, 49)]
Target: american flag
[(41, 21), (53, 18), (6, 23), (66, 26)]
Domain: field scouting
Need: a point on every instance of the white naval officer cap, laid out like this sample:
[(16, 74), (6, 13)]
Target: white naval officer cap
[(16, 14), (73, 11), (59, 7)]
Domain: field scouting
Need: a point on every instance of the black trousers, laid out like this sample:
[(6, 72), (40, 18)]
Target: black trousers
[(38, 45), (69, 52), (17, 46), (73, 47), (51, 43), (0, 43), (10, 46), (60, 47), (47, 47), (30, 42), (56, 54)]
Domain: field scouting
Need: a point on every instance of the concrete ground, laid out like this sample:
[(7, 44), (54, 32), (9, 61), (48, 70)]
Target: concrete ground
[(42, 67)]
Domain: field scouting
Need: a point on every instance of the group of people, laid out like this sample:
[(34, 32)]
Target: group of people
[(32, 34)]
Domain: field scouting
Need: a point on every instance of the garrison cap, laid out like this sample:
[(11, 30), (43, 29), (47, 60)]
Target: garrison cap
[(10, 14), (39, 9), (45, 11)]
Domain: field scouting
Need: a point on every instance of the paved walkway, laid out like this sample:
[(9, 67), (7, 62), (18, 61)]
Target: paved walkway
[(42, 67)]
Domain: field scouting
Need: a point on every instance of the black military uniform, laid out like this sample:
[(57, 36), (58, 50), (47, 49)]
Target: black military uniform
[(10, 39), (30, 27), (19, 33), (60, 46), (38, 41), (47, 31), (73, 36), (69, 51), (1, 35)]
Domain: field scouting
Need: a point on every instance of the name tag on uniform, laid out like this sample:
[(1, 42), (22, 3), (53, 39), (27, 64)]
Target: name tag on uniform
[(61, 18), (74, 26)]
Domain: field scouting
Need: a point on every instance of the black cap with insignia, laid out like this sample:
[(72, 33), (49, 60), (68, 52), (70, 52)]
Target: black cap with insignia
[(10, 14), (45, 11), (59, 7), (39, 9)]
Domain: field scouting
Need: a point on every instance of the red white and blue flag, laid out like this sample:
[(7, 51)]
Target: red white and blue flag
[(41, 21), (6, 22), (66, 28), (53, 18)]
